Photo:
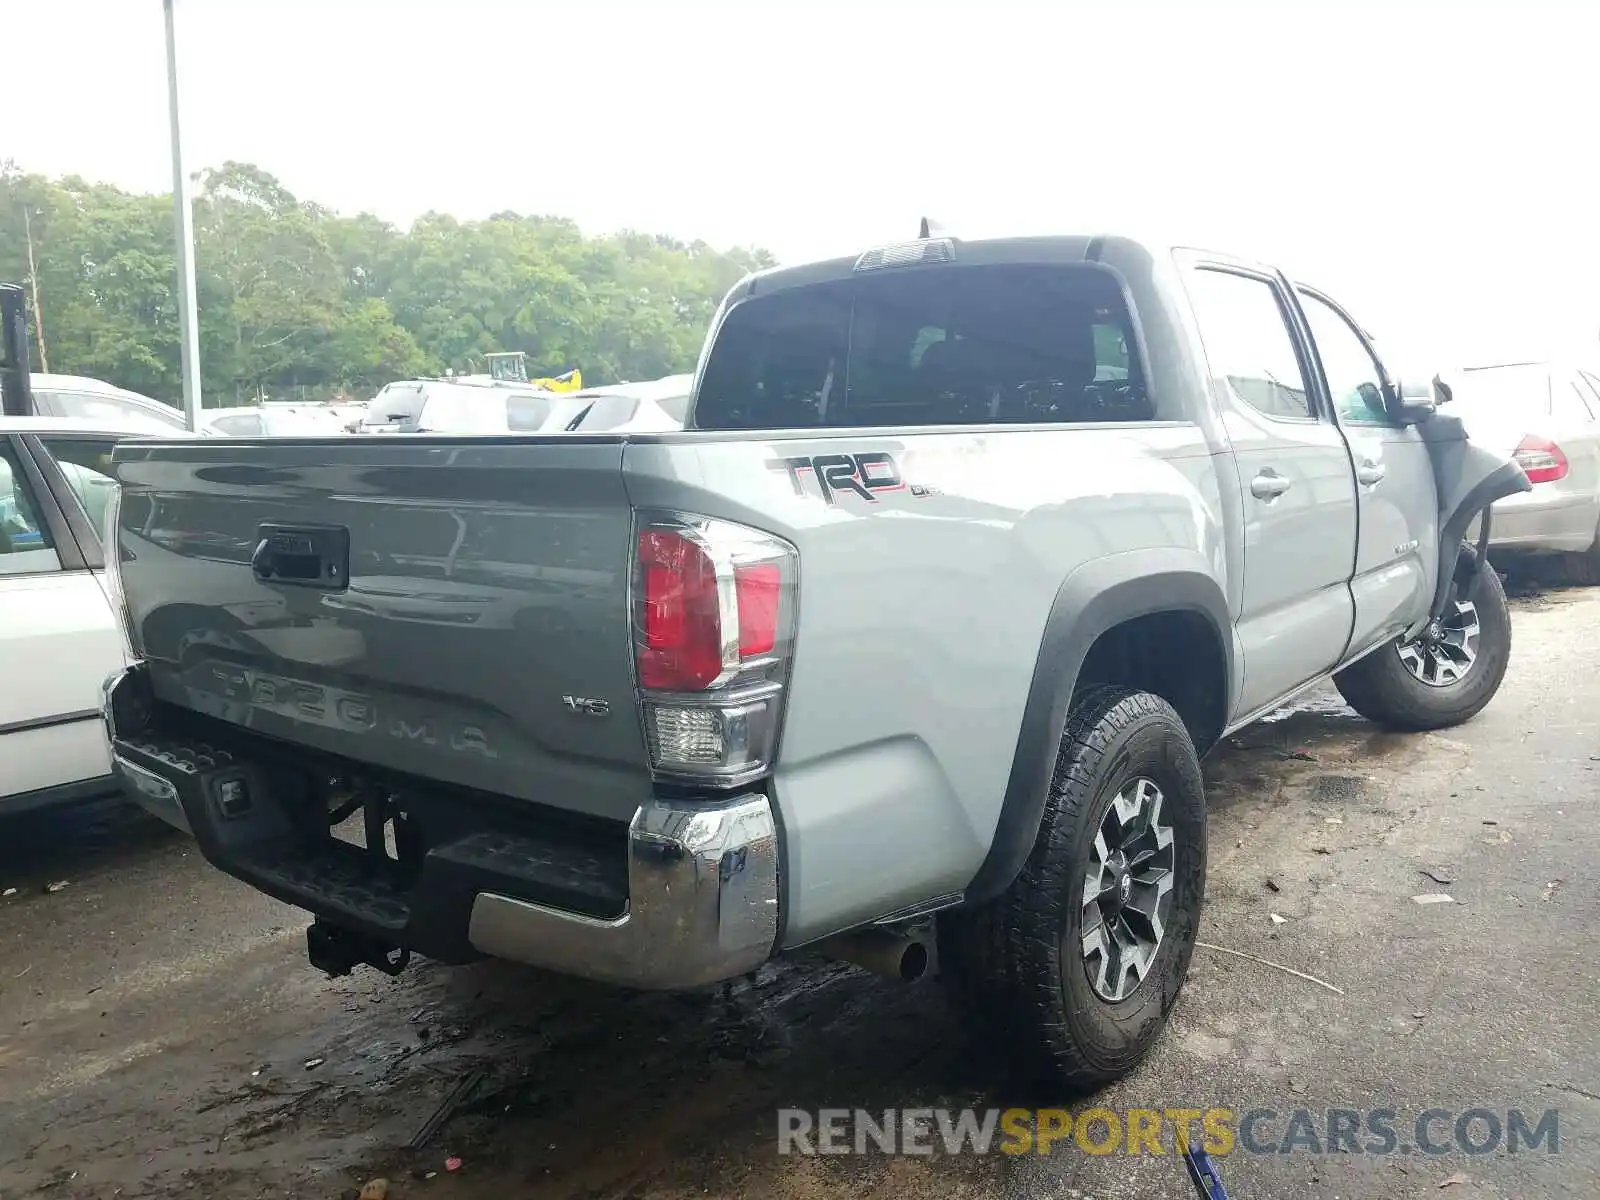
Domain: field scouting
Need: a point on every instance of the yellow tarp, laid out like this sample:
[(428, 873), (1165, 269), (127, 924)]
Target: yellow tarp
[(572, 381)]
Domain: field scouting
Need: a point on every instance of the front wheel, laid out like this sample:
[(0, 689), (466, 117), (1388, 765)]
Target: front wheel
[(1447, 673), (1075, 967)]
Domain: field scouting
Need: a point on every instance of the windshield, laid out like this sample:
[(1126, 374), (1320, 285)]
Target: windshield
[(397, 404), (945, 345)]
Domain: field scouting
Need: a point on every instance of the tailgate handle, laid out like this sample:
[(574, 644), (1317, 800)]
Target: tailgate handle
[(315, 556)]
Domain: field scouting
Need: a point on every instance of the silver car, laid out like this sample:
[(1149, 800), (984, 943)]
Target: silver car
[(77, 397), (1547, 416)]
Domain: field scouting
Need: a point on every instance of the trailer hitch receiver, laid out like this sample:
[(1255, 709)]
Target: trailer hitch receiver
[(337, 952)]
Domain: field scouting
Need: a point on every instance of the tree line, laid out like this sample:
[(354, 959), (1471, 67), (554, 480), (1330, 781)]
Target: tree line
[(298, 300)]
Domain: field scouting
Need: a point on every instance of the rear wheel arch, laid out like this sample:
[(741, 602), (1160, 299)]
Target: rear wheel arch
[(1143, 602)]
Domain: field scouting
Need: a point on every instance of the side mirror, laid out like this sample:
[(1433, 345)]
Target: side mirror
[(16, 390), (1411, 402)]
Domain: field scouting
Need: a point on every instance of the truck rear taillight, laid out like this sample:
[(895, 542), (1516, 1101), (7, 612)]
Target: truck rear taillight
[(714, 612), (681, 613), (758, 588), (1541, 460)]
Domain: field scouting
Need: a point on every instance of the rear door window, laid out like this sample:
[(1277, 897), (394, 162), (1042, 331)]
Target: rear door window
[(918, 346), (1247, 339)]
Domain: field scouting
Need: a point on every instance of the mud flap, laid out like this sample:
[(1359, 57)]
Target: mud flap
[(1469, 479)]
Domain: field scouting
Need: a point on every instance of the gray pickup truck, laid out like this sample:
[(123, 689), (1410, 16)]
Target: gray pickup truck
[(905, 651)]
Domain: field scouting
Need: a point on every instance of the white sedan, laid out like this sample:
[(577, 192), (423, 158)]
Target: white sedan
[(59, 637), (1547, 417)]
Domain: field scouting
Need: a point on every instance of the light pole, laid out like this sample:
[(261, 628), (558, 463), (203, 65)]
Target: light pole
[(183, 221)]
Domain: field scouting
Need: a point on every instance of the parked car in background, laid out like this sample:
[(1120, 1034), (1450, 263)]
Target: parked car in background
[(59, 637), (275, 420), (443, 406), (349, 415), (656, 406), (648, 406), (1547, 416), (107, 406)]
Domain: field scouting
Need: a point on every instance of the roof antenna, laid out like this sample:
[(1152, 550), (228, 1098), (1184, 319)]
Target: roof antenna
[(930, 228)]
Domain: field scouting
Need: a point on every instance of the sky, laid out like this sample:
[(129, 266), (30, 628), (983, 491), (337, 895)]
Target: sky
[(1429, 164)]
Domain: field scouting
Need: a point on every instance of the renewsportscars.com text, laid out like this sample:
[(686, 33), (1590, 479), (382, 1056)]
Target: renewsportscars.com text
[(1134, 1131)]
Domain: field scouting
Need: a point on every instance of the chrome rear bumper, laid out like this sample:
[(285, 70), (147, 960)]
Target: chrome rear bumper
[(702, 904)]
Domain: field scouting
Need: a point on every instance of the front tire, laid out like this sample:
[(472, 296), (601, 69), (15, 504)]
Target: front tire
[(1443, 677), (1075, 967)]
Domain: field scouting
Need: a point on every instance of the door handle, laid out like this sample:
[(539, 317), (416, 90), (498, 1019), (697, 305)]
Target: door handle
[(315, 556), (1369, 472), (1269, 485)]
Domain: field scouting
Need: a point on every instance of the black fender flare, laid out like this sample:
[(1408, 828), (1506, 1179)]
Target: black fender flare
[(1505, 481), (1469, 478), (1095, 597)]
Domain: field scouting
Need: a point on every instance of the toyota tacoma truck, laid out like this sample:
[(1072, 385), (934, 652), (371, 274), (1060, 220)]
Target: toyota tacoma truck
[(906, 650)]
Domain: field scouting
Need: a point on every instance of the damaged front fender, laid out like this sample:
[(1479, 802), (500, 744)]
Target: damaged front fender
[(1468, 480)]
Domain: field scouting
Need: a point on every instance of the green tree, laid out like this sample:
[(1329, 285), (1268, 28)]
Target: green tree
[(295, 298)]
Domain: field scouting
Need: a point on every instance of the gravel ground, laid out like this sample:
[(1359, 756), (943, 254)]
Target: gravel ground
[(161, 1034)]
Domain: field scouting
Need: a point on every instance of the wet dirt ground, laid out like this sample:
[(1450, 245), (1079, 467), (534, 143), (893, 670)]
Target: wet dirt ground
[(161, 1034)]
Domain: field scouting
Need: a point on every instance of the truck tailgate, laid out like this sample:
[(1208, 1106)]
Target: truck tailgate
[(456, 609)]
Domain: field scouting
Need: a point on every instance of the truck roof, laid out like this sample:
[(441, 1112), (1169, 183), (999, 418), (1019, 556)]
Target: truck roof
[(1048, 248), (1009, 248)]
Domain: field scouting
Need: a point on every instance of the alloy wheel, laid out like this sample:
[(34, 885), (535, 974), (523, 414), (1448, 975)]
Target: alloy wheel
[(1444, 652), (1127, 891)]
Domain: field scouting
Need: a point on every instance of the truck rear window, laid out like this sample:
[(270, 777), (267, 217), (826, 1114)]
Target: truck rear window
[(944, 345)]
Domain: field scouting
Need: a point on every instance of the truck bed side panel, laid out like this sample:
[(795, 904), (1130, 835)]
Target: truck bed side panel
[(921, 615)]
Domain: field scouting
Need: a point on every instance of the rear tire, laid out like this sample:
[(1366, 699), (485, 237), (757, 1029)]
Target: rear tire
[(1382, 686), (1016, 965)]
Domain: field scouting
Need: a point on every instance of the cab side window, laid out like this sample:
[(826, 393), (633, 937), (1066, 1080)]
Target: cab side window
[(1248, 342), (25, 544), (1354, 380)]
